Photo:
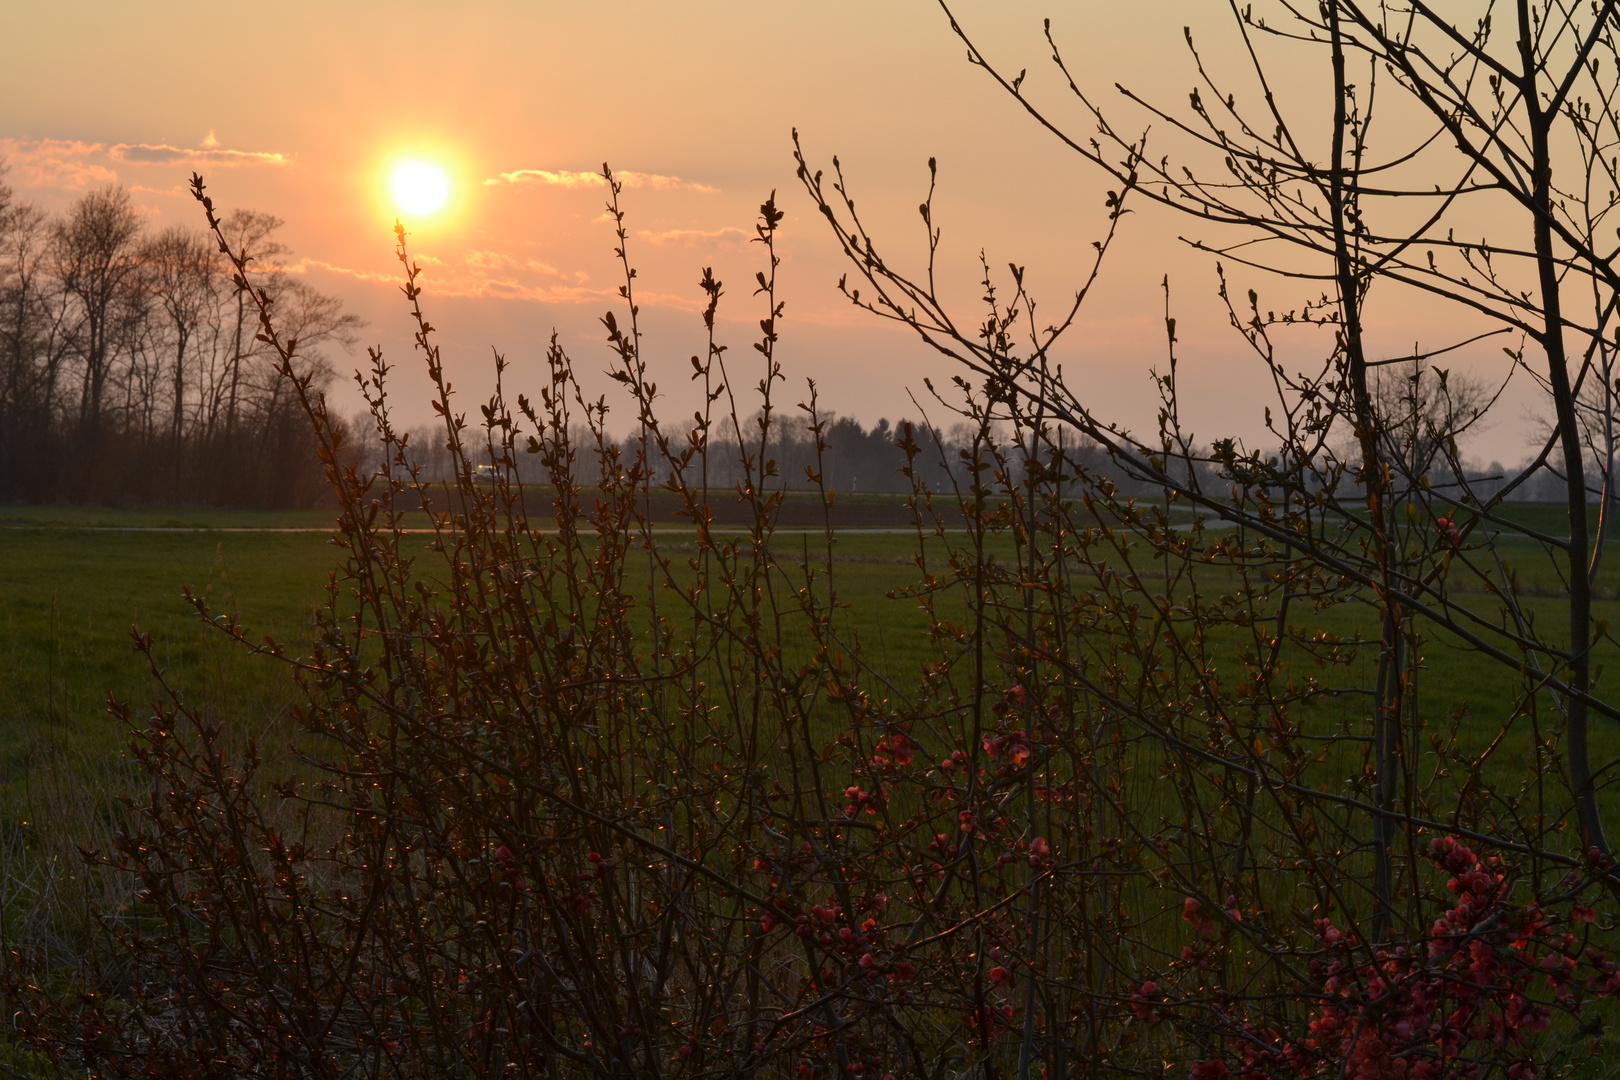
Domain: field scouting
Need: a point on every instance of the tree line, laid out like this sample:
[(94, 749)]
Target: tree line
[(851, 458), (130, 367)]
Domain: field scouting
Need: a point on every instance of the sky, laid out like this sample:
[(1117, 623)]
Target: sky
[(303, 110)]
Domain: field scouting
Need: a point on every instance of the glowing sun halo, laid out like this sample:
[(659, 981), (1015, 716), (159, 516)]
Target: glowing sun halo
[(420, 188)]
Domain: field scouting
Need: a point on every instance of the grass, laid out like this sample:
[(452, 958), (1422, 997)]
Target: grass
[(73, 583), (75, 580), (69, 598), (14, 518)]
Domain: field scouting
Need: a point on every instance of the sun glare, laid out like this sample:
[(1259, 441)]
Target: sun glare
[(420, 188)]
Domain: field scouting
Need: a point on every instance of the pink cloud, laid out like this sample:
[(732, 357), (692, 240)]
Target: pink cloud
[(693, 237), (304, 266), (497, 260), (569, 179), (71, 165), (510, 289), (490, 276), (161, 154), (56, 164)]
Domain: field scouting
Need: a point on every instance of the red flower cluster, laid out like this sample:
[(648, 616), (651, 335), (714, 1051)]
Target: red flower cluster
[(1144, 1000), (1194, 915), (896, 750), (1476, 989), (1398, 1016), (1014, 747)]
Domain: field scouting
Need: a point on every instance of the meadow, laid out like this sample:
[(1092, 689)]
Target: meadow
[(75, 582)]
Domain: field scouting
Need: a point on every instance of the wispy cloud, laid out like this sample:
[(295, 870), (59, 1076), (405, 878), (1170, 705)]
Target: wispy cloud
[(56, 163), (304, 266), (693, 237), (71, 165), (566, 178), (509, 289), (492, 261), (161, 154), (492, 275)]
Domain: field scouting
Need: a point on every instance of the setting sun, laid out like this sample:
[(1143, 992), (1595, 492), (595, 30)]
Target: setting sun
[(420, 188)]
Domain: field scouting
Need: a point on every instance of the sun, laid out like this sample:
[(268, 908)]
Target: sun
[(420, 188)]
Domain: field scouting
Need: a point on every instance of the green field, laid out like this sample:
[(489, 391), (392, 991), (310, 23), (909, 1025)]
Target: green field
[(69, 599), (75, 581)]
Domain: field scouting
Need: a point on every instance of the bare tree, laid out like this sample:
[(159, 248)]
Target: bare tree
[(184, 276), (32, 333), (1421, 413), (251, 233), (97, 260)]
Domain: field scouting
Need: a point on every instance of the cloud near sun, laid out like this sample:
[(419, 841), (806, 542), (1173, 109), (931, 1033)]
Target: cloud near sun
[(148, 154), (38, 167), (56, 164), (70, 165), (569, 179), (494, 275)]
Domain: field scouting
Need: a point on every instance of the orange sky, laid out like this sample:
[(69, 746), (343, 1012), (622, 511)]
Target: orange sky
[(299, 109)]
